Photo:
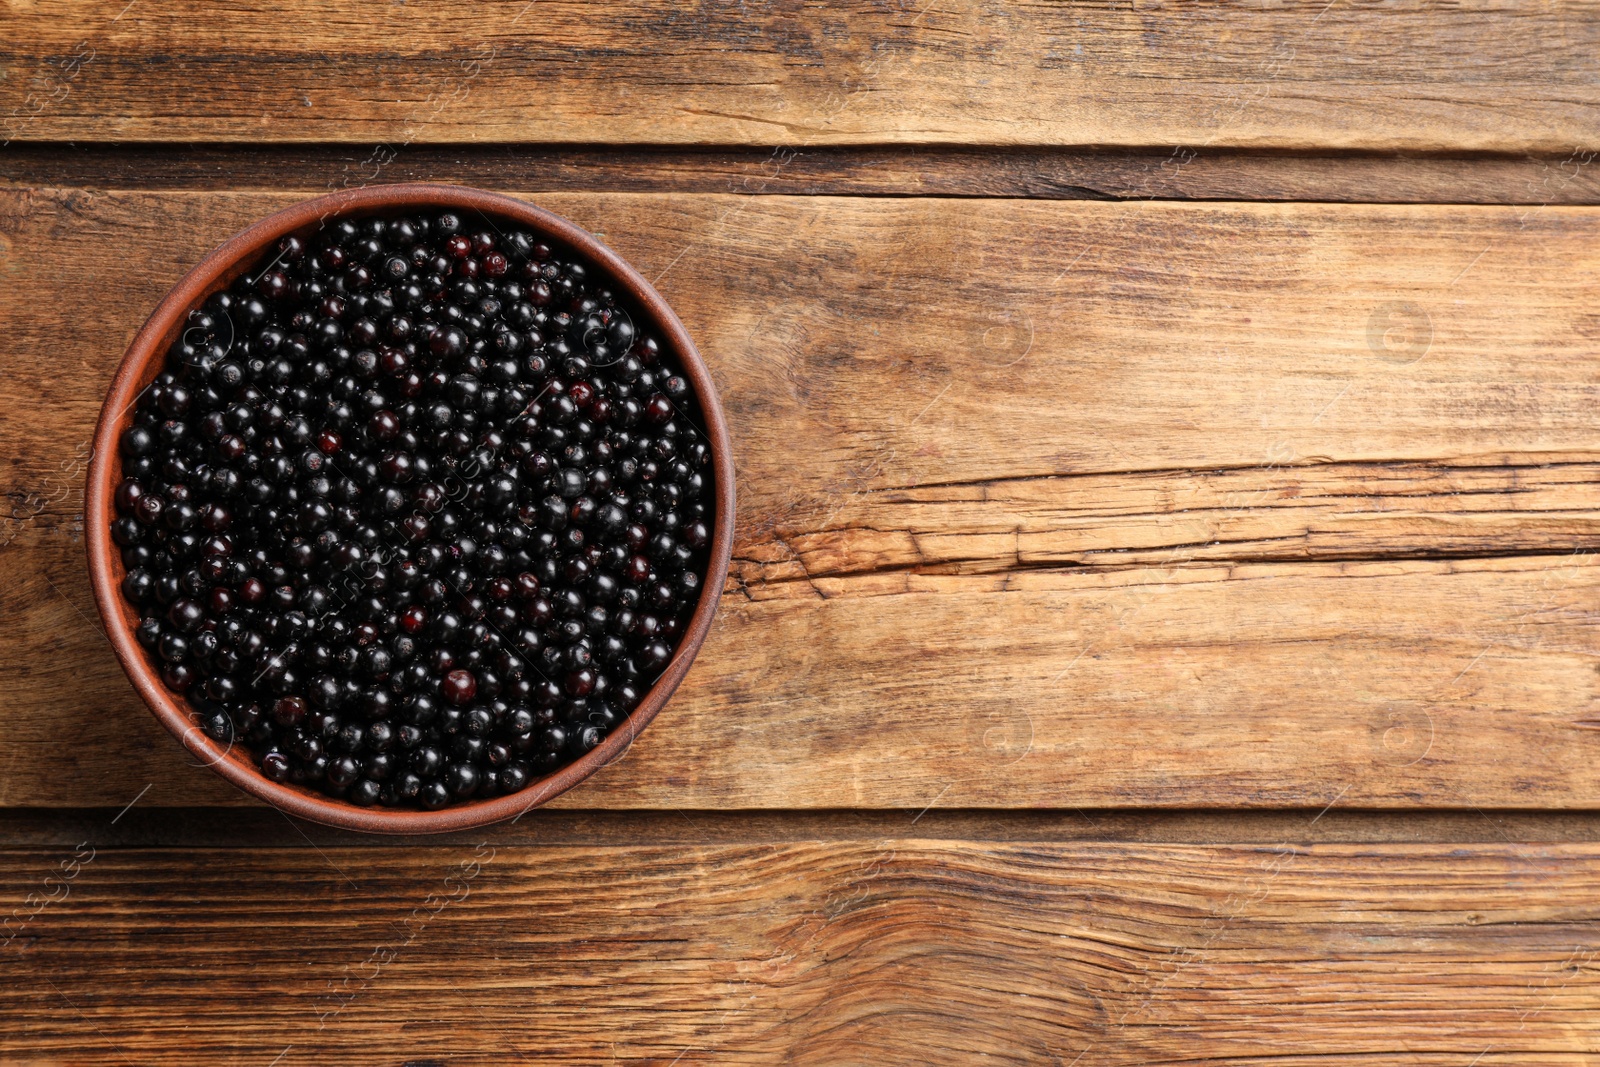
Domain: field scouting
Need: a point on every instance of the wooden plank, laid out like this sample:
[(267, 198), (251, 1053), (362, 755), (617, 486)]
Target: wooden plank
[(894, 951), (1300, 74), (1041, 340), (1412, 684), (1099, 504), (877, 170)]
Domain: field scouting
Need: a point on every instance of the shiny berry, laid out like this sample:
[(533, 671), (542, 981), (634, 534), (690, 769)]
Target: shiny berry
[(458, 687)]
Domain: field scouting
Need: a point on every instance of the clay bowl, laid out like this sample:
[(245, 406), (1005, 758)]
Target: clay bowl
[(143, 362)]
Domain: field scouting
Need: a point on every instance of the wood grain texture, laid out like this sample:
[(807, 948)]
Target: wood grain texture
[(1299, 74), (875, 170), (1093, 504), (895, 951), (1419, 683)]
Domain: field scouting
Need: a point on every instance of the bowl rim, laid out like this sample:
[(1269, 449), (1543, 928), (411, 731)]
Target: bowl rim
[(142, 361)]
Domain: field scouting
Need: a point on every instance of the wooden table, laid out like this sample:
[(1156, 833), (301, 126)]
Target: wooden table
[(1163, 622)]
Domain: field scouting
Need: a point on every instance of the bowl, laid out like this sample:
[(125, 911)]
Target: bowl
[(143, 361)]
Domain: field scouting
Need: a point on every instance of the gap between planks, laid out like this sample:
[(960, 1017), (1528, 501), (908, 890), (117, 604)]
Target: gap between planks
[(1043, 173), (259, 827)]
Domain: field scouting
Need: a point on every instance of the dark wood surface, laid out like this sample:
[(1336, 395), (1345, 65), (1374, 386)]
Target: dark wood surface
[(1300, 74), (1162, 625), (909, 950)]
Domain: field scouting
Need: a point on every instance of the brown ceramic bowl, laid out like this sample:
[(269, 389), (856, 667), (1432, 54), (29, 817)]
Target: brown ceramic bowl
[(143, 362)]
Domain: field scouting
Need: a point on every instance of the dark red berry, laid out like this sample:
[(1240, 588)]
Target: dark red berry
[(177, 676), (275, 765), (447, 342), (458, 687), (289, 711), (384, 425), (273, 285), (128, 495)]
